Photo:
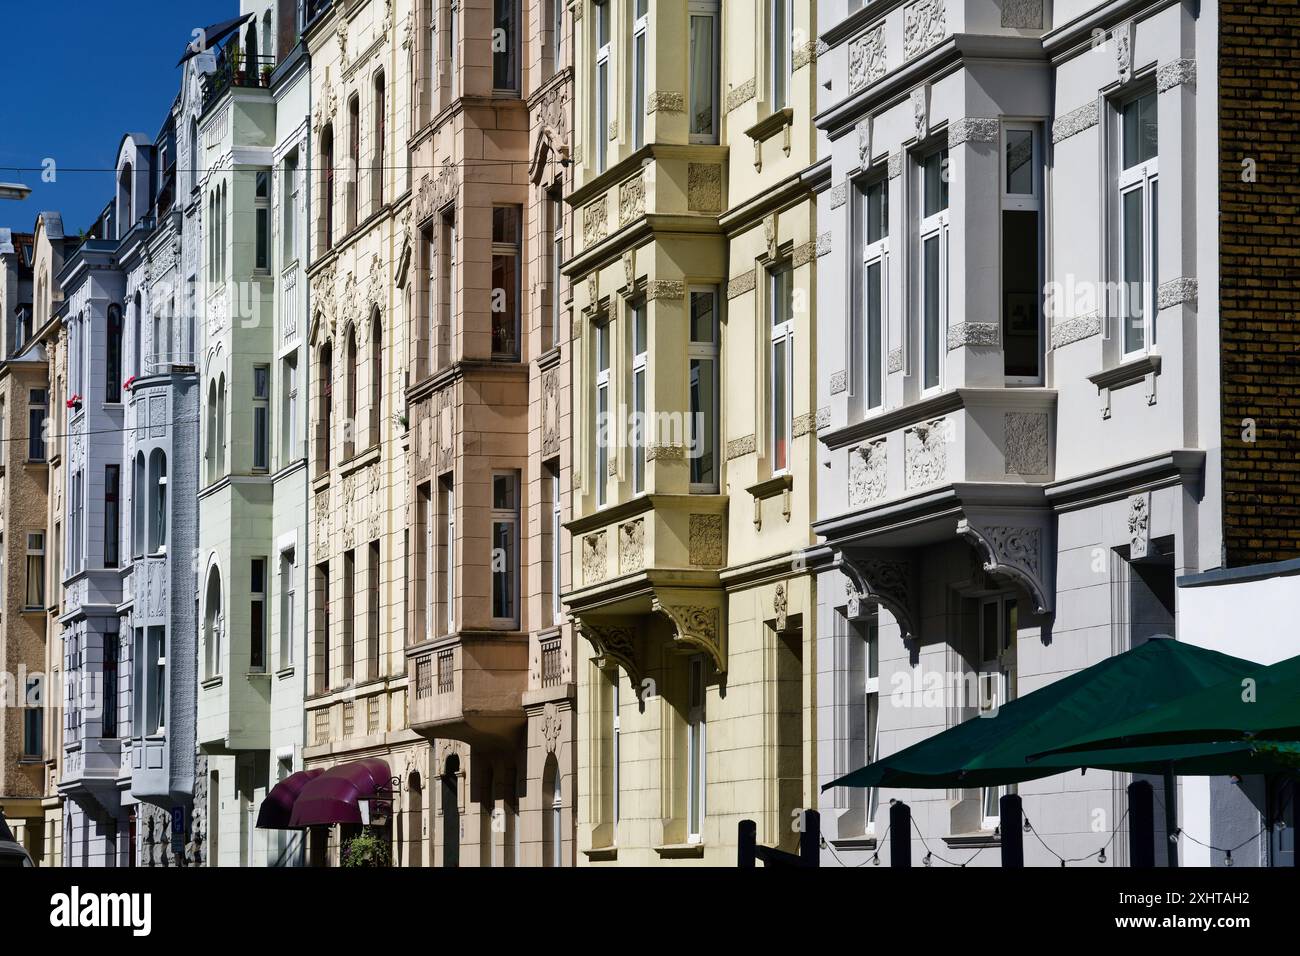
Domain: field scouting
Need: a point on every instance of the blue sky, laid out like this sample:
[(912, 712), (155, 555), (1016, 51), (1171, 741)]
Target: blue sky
[(77, 75)]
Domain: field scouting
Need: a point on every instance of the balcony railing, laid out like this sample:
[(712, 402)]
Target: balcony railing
[(446, 671), (250, 72), (423, 678), (552, 663), (163, 363)]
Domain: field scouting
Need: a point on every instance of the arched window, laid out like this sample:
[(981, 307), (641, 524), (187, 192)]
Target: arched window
[(125, 202), (350, 395), (325, 407), (451, 812), (376, 377), (213, 622), (552, 814), (377, 164), (221, 425), (327, 187), (157, 501), (211, 452), (138, 495), (354, 159), (113, 369)]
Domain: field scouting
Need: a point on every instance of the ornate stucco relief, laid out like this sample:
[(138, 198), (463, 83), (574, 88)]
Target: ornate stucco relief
[(925, 453), (972, 333), (867, 473), (1075, 121), (631, 547), (595, 221), (704, 187), (631, 199), (867, 59), (594, 557), (705, 546), (1075, 329), (1022, 14), (1026, 443), (925, 23)]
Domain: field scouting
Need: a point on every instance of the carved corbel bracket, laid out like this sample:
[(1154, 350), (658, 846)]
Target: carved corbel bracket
[(698, 624), (614, 644), (886, 580), (1019, 547)]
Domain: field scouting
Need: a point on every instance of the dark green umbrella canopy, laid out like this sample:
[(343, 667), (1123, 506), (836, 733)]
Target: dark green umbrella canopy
[(1255, 704), (993, 751)]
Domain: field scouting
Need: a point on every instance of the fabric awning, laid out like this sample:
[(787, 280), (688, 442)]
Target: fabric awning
[(994, 751), (213, 35), (336, 795), (277, 807), (1257, 703)]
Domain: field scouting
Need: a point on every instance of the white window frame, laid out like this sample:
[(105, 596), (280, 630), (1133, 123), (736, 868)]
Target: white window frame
[(603, 81), (449, 526), (259, 597), (35, 549), (873, 254), (430, 559), (262, 407), (262, 222), (780, 332), (616, 730), (696, 749), (601, 428), (781, 55), (1024, 202), (1143, 178), (640, 330), (640, 50), (288, 603), (713, 10), (710, 352), (514, 51), (871, 707), (557, 519), (933, 228), (507, 517), (555, 201), (995, 685)]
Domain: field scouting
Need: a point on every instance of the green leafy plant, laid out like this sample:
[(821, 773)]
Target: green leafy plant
[(367, 849)]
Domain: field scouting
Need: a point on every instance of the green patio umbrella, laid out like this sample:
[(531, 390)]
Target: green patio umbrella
[(1257, 704), (993, 751)]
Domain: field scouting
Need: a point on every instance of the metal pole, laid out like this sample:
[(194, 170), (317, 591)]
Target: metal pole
[(1141, 826), (810, 840), (1171, 816), (747, 841), (900, 834), (1013, 837)]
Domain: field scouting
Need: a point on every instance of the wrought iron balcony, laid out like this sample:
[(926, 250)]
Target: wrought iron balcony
[(236, 71)]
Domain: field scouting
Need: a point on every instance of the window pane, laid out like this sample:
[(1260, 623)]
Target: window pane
[(638, 90), (1020, 293), (1020, 161), (503, 492), (1134, 338), (1141, 140), (702, 317), (504, 43), (779, 410), (930, 273), (638, 430), (503, 562), (877, 211), (873, 335), (935, 174), (702, 424), (505, 305), (701, 80)]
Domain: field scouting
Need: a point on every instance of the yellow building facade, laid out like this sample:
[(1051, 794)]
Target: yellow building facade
[(695, 246)]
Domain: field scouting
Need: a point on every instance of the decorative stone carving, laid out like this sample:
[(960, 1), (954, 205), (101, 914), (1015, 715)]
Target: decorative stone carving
[(1075, 121), (631, 547), (805, 424), (435, 192), (1012, 551), (665, 452), (1076, 329), (737, 96), (894, 361), (823, 418), (1022, 14), (804, 55), (550, 412), (864, 143), (552, 726), (839, 382), (867, 59), (885, 581), (839, 195), (1139, 526), (921, 110), (895, 164), (972, 333), (1026, 443), (781, 608), (705, 540), (924, 25), (868, 478), (614, 644), (697, 628), (704, 187), (770, 239), (595, 221), (1174, 73), (631, 199), (823, 245), (665, 101), (803, 254), (1178, 291), (1123, 37), (974, 129), (925, 453), (739, 447), (670, 289), (745, 282), (594, 558), (613, 130)]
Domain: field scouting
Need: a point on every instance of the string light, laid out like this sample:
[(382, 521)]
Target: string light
[(1227, 858)]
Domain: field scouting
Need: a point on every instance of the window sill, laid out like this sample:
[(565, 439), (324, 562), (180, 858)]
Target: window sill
[(972, 841), (1140, 368), (212, 682), (867, 843), (773, 486), (255, 675), (681, 851), (601, 854), (284, 673), (771, 124)]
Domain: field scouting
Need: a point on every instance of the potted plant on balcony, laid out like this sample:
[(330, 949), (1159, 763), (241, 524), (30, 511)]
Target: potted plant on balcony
[(266, 76), (237, 64)]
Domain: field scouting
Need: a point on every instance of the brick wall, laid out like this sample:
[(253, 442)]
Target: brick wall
[(1259, 231)]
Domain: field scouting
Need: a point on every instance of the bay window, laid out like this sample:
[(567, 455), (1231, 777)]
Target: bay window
[(1022, 205), (261, 417), (703, 43), (600, 134), (1138, 212), (262, 221), (601, 421), (639, 373), (505, 546), (702, 425), (505, 281), (934, 266)]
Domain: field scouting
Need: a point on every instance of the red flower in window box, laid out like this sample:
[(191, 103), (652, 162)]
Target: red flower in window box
[(74, 402)]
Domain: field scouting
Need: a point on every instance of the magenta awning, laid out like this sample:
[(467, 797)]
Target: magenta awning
[(336, 795), (278, 806)]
